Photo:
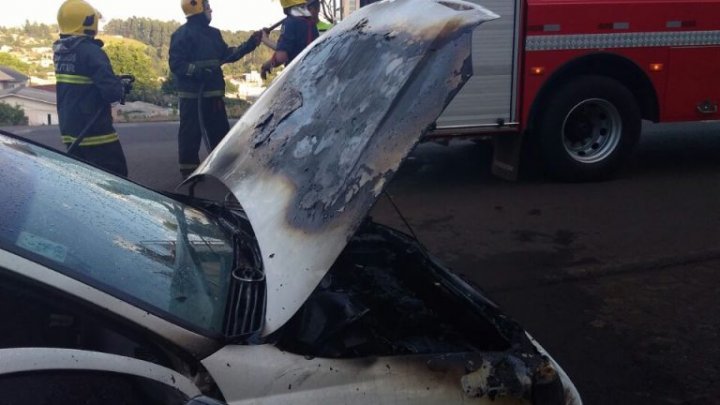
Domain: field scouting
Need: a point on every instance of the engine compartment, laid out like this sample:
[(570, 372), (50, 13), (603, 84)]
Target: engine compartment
[(385, 296)]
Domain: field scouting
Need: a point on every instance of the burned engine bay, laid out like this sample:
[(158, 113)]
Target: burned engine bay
[(385, 296)]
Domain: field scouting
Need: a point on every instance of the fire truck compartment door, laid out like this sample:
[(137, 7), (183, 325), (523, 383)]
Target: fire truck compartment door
[(693, 87), (488, 96)]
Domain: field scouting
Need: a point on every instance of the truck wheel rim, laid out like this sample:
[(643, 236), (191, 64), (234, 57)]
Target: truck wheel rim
[(591, 130)]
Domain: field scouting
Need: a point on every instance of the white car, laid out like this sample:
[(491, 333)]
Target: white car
[(261, 280)]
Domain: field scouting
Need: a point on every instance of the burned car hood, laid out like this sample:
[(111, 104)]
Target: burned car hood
[(310, 157)]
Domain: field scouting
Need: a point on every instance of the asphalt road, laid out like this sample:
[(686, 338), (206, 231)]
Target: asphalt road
[(619, 280)]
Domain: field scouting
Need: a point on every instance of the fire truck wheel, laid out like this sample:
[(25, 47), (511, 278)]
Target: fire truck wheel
[(588, 129)]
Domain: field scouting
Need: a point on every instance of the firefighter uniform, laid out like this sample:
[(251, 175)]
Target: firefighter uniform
[(86, 86), (298, 31), (296, 34), (197, 51)]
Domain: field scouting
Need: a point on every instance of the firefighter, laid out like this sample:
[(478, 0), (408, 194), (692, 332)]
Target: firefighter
[(298, 31), (86, 88), (197, 51), (313, 7)]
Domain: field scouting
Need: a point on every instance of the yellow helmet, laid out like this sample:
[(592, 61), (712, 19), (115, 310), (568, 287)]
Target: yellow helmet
[(77, 17), (192, 7), (290, 3)]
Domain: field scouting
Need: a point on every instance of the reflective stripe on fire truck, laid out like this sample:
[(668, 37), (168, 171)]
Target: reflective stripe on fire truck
[(621, 40)]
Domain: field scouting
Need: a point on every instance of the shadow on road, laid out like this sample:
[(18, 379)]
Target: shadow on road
[(606, 275)]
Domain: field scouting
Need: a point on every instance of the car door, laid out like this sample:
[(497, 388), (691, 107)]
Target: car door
[(41, 375), (56, 349)]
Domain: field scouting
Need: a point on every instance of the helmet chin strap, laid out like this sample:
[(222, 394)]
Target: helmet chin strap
[(300, 11)]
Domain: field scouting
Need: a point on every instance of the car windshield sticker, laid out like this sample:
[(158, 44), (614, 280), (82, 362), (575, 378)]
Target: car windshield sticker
[(42, 246)]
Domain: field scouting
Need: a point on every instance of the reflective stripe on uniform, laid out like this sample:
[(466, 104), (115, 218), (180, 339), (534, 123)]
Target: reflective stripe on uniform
[(621, 40), (206, 94), (206, 63), (199, 64), (322, 26), (73, 79), (92, 140)]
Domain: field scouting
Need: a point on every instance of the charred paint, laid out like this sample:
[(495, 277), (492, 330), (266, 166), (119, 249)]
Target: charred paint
[(310, 157)]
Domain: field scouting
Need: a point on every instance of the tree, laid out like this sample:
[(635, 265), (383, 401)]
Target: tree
[(251, 61), (39, 31), (157, 34), (235, 107), (230, 87), (130, 57), (9, 60), (12, 115), (169, 85), (153, 32)]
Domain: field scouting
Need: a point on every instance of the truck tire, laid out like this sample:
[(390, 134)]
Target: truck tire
[(587, 129)]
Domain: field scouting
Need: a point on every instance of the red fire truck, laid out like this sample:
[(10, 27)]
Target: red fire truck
[(574, 79)]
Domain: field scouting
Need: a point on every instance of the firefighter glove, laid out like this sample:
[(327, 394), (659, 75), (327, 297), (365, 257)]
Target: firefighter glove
[(266, 68), (255, 38)]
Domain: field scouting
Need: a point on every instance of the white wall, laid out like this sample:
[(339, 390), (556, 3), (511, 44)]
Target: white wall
[(35, 111)]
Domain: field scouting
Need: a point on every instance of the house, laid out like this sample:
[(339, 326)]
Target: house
[(250, 86), (40, 105), (11, 78), (36, 81), (253, 77), (43, 56)]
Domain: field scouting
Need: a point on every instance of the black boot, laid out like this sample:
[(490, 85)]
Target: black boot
[(185, 173)]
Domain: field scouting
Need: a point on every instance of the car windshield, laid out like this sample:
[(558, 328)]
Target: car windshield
[(150, 250)]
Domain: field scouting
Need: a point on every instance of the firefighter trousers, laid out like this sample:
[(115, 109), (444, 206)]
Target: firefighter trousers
[(109, 156), (190, 135)]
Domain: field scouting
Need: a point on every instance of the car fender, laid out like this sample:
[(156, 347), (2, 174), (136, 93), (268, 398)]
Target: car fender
[(572, 396), (264, 374)]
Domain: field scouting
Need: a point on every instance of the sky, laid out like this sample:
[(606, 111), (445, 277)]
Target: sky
[(230, 15)]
